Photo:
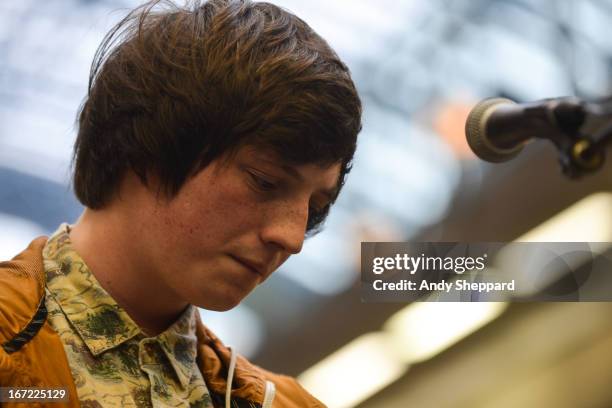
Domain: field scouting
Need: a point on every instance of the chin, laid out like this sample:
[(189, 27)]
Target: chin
[(219, 304), (218, 307), (219, 294)]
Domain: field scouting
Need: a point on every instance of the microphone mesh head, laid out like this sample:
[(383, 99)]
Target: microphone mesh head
[(476, 134)]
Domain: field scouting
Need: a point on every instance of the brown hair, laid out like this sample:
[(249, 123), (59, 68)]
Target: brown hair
[(173, 88)]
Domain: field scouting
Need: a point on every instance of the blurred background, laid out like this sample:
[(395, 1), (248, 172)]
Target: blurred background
[(420, 66)]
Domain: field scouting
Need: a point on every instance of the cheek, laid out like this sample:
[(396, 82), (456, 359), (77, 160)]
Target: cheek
[(207, 218)]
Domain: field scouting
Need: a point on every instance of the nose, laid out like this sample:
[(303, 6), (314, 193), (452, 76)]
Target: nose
[(286, 228)]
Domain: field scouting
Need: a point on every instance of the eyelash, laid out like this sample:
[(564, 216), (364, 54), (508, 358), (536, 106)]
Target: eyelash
[(267, 186), (262, 183)]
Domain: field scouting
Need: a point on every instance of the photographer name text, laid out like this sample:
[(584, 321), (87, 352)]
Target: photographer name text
[(443, 286)]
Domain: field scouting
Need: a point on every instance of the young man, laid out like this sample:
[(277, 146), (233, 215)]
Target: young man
[(213, 139)]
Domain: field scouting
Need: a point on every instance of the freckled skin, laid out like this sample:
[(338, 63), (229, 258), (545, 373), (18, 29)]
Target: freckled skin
[(167, 253), (217, 214)]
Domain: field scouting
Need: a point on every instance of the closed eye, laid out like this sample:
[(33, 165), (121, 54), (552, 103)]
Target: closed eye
[(261, 182)]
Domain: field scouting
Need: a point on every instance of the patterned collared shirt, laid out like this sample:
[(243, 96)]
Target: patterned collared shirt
[(113, 363)]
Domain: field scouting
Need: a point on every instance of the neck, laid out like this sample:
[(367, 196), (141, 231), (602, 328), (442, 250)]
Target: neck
[(109, 246)]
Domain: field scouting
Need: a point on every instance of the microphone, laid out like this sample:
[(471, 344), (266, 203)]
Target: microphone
[(497, 129)]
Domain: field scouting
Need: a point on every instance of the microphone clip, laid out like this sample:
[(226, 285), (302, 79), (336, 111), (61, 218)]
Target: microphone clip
[(582, 131)]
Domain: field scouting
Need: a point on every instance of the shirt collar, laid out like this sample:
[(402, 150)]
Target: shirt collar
[(94, 314), (179, 343)]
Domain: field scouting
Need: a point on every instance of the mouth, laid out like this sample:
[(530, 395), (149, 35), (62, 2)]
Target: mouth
[(252, 266)]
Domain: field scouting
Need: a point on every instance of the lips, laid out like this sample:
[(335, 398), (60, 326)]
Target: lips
[(257, 268)]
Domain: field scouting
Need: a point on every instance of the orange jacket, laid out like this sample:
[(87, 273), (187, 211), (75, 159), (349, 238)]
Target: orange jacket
[(32, 354)]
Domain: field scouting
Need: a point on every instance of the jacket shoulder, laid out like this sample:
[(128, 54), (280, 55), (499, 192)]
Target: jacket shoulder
[(290, 393), (21, 290), (249, 380)]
